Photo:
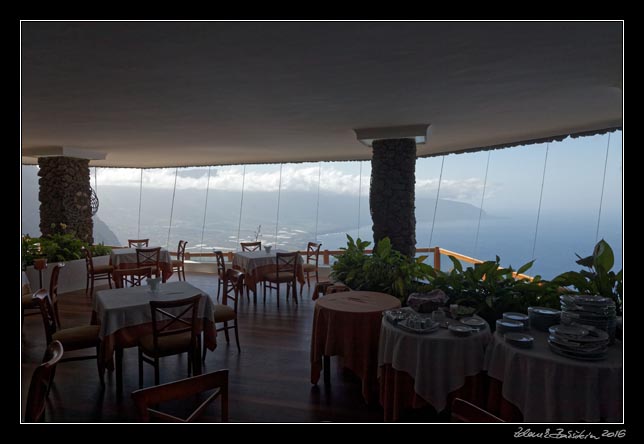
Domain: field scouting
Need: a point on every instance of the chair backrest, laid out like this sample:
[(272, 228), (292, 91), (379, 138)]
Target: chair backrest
[(184, 388), (251, 246), (40, 382), (130, 277), (221, 264), (173, 322), (138, 243), (53, 282), (89, 262), (148, 257), (233, 287), (181, 250), (287, 262), (313, 253), (463, 411), (42, 300)]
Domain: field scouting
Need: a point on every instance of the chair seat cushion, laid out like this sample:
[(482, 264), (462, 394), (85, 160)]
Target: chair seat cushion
[(284, 277), (224, 313), (103, 269), (77, 338), (168, 345), (308, 267), (28, 302)]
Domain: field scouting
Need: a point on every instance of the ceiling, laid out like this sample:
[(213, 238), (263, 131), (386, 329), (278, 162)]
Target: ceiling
[(156, 94)]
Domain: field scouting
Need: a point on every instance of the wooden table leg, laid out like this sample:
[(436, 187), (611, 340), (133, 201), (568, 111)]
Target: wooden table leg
[(327, 370)]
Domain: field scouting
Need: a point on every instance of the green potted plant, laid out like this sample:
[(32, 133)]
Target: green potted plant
[(492, 290), (386, 270), (598, 279)]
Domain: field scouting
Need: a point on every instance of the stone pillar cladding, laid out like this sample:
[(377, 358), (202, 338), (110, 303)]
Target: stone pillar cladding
[(65, 196), (392, 194)]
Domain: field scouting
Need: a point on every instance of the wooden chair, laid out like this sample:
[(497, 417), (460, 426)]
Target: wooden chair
[(130, 277), (285, 272), (224, 312), (95, 273), (178, 264), (221, 271), (172, 333), (311, 264), (463, 411), (41, 380), (138, 243), (75, 338), (251, 246), (184, 388), (28, 302), (149, 257)]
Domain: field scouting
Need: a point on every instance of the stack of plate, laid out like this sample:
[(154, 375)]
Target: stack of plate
[(541, 318), (590, 310), (505, 326), (519, 317), (578, 341)]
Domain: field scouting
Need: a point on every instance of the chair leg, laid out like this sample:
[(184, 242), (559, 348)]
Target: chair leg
[(91, 288), (226, 332), (109, 280), (140, 369), (87, 285), (219, 288), (237, 337), (294, 287)]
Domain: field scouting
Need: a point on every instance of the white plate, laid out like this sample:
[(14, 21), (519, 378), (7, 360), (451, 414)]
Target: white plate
[(568, 330), (519, 339), (460, 330), (473, 322)]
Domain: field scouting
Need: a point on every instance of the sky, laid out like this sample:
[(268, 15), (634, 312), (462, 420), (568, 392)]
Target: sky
[(572, 182)]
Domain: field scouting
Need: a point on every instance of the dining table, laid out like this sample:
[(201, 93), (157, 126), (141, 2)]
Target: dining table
[(256, 264), (126, 258), (124, 315)]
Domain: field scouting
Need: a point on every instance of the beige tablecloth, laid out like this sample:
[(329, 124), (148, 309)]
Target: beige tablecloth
[(547, 387), (348, 325), (256, 264), (126, 258), (438, 362)]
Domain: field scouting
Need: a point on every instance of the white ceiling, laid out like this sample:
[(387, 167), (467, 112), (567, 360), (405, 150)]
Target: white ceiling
[(152, 94)]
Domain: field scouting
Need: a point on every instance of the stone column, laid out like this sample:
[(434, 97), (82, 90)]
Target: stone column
[(64, 196), (391, 197)]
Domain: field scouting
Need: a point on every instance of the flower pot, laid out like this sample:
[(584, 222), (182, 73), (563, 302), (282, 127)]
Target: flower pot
[(72, 278)]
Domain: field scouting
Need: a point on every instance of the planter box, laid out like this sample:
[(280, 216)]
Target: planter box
[(72, 277)]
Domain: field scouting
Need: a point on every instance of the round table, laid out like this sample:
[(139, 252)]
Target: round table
[(436, 363), (546, 387), (348, 324)]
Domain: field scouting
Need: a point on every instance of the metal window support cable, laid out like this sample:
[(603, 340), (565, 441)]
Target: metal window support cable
[(438, 192), (359, 197), (478, 226), (317, 206), (241, 204), (543, 179), (174, 191), (205, 210), (138, 224), (279, 193), (601, 197)]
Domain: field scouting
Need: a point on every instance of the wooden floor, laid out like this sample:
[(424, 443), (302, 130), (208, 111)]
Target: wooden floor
[(269, 380)]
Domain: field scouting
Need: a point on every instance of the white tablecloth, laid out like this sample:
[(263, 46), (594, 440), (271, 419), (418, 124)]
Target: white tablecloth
[(547, 387), (438, 361), (126, 307), (128, 256)]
